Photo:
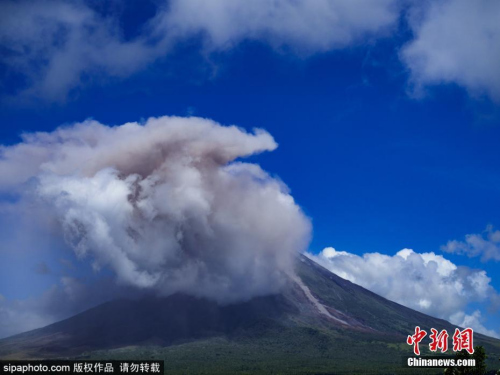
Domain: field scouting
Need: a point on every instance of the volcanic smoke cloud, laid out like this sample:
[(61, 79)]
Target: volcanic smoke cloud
[(164, 204)]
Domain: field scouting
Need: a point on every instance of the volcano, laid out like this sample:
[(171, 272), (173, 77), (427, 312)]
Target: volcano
[(320, 323)]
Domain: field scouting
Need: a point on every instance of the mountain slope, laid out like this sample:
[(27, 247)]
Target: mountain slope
[(143, 322), (321, 323)]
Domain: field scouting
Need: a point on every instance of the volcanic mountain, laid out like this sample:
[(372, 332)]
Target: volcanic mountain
[(320, 323)]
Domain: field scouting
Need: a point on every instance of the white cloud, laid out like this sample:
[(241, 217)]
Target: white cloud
[(304, 25), (57, 45), (425, 282), (164, 205), (486, 245), (473, 321), (456, 41)]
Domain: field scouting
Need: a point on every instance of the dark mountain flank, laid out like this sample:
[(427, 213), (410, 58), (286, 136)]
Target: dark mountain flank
[(320, 323)]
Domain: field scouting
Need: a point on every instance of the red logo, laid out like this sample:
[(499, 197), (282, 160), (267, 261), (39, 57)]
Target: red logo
[(439, 340), (415, 339), (463, 340)]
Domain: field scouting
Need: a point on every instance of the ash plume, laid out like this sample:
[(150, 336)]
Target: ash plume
[(166, 205)]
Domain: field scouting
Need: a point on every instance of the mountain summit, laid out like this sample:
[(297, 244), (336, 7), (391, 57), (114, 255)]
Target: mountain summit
[(320, 323)]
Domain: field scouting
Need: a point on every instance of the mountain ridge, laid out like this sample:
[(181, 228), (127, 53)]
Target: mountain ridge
[(327, 317)]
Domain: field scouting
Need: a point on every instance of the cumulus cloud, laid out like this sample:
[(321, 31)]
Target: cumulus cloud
[(165, 204), (456, 41), (305, 25), (486, 245), (422, 281), (57, 45), (474, 321)]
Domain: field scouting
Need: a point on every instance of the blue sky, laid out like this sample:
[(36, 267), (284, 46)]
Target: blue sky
[(380, 152)]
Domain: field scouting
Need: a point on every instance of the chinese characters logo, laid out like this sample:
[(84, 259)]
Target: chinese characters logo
[(439, 340)]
